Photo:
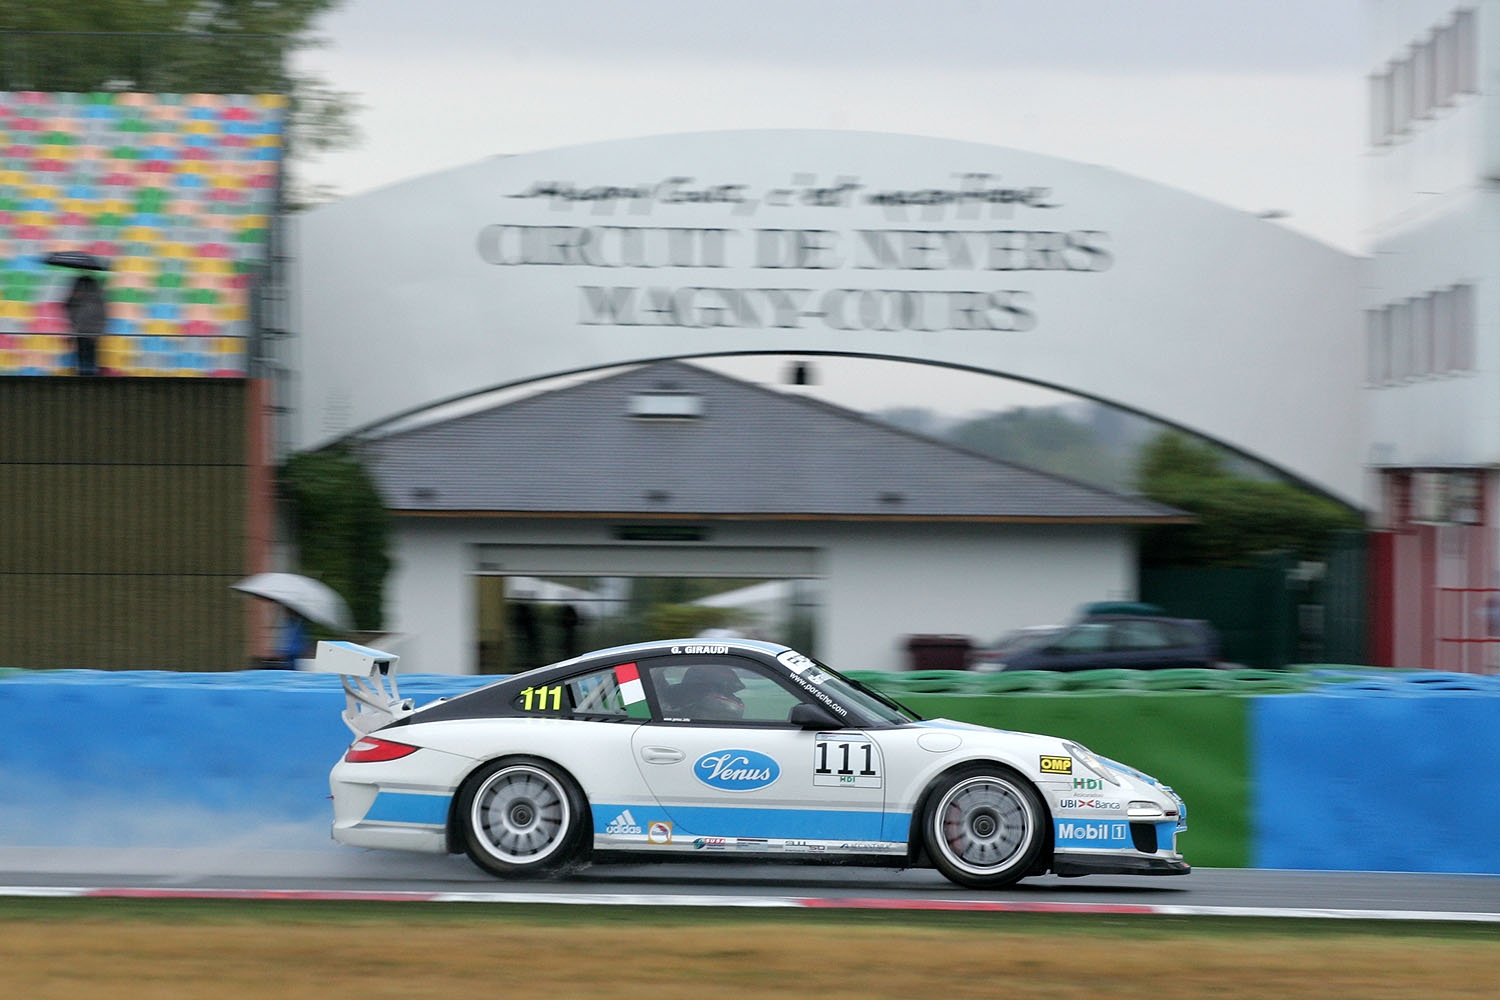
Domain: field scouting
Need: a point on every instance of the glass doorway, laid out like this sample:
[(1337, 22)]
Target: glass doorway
[(526, 621)]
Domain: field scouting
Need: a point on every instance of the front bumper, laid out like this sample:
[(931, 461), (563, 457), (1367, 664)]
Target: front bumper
[(1068, 865)]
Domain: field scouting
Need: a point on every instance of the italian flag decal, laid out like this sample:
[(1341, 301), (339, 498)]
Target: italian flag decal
[(628, 676)]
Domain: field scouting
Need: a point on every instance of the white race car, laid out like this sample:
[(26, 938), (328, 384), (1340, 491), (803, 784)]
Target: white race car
[(743, 749)]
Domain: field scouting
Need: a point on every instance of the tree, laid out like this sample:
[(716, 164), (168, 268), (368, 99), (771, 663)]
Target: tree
[(180, 47), (1044, 438), (341, 528), (1239, 517)]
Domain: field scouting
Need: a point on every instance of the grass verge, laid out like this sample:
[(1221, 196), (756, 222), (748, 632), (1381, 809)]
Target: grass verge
[(82, 949)]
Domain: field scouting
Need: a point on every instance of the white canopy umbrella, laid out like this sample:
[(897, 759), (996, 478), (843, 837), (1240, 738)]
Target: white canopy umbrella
[(312, 599)]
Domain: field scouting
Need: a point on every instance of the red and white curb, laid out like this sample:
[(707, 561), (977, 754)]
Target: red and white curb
[(751, 902)]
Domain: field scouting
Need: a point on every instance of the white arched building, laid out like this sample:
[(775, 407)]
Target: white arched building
[(1058, 273)]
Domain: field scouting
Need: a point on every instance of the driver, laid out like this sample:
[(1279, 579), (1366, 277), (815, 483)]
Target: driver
[(708, 692)]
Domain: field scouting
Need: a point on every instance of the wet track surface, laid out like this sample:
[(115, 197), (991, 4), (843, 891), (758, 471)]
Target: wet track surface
[(348, 871)]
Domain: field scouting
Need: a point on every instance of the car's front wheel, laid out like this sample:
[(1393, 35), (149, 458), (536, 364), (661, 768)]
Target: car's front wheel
[(521, 816), (984, 827)]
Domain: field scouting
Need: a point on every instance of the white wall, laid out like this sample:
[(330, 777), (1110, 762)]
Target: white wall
[(886, 583)]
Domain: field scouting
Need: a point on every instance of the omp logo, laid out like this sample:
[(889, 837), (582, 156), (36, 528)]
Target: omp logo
[(1091, 831), (623, 823), (1057, 765), (736, 770)]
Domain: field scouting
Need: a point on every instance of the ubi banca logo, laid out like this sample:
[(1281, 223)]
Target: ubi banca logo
[(736, 770)]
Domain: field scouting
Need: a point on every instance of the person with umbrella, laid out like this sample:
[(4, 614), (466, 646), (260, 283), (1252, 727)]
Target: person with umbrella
[(304, 602), (87, 312)]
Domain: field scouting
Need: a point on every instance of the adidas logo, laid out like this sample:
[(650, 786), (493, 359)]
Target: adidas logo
[(623, 823)]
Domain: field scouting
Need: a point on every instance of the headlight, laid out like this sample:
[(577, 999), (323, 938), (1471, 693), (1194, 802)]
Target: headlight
[(1091, 762), (1146, 810)]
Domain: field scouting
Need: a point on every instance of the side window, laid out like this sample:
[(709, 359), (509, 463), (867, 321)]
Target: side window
[(719, 691), (1141, 635), (1089, 637), (614, 692)]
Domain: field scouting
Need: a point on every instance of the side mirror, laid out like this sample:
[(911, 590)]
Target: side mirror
[(805, 715)]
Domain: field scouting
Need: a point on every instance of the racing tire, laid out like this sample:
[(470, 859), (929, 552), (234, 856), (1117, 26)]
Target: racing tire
[(984, 827), (521, 816)]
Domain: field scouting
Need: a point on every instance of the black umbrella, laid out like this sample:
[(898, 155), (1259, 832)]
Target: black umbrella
[(76, 259)]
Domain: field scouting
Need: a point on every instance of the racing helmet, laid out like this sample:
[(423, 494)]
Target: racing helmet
[(714, 678), (708, 692)]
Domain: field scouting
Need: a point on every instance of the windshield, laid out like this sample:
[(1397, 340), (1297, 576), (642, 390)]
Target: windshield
[(849, 692), (1025, 638)]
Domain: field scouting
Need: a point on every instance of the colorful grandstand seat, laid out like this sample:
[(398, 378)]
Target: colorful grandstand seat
[(177, 191)]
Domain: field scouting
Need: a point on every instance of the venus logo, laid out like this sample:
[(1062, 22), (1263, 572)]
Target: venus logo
[(736, 770)]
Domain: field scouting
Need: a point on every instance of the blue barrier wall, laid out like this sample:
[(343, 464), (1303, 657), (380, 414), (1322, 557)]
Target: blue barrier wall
[(1392, 773), (159, 759), (1370, 779)]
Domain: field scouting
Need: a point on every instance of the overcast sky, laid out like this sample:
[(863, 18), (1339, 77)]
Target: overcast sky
[(1257, 104)]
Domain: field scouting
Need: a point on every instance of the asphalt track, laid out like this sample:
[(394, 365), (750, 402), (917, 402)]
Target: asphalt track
[(350, 874)]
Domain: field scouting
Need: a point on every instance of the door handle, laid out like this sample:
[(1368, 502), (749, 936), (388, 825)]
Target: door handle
[(661, 755)]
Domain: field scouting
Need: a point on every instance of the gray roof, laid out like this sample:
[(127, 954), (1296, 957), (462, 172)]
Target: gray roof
[(752, 452)]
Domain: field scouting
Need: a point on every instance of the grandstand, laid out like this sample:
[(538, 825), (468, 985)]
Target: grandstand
[(135, 496), (177, 192)]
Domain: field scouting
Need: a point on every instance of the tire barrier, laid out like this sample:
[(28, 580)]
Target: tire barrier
[(1326, 767)]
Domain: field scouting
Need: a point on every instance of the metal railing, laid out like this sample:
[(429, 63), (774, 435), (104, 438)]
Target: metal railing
[(1468, 629)]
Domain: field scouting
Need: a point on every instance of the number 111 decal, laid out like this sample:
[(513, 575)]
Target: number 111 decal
[(846, 760)]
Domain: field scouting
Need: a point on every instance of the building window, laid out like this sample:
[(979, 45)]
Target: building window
[(1377, 347), (1396, 510), (1443, 57), (1461, 358), (1380, 125), (1400, 95), (1442, 331), (1401, 353), (1424, 336), (1465, 53), (1421, 80), (1433, 72), (1421, 336)]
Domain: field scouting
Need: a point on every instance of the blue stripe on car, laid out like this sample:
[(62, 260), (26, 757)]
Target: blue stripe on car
[(409, 807), (789, 824)]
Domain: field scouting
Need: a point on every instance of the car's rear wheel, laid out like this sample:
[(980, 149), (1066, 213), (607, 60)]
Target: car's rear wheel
[(984, 827), (521, 816)]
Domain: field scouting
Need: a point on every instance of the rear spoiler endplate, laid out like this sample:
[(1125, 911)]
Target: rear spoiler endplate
[(369, 676)]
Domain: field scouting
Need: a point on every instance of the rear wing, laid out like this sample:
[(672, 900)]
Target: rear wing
[(369, 675)]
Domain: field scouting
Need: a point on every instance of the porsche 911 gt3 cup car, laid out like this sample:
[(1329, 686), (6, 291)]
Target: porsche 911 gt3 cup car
[(735, 748)]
